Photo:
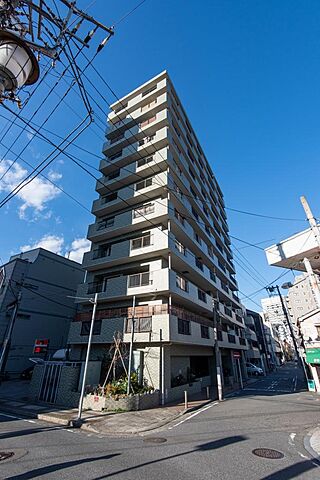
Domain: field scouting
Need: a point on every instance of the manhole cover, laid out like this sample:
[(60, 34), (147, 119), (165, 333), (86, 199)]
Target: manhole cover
[(6, 455), (155, 440), (268, 453)]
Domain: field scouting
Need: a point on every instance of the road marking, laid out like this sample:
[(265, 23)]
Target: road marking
[(295, 385), (194, 414), (267, 390), (291, 439), (11, 416)]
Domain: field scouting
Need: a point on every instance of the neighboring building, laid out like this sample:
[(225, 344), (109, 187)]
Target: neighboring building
[(274, 345), (302, 252), (273, 310), (42, 280), (161, 237), (258, 352)]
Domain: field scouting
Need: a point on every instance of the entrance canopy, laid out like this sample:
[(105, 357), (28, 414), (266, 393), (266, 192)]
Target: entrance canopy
[(290, 253)]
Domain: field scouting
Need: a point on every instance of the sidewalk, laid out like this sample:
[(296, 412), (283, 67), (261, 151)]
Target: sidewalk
[(107, 423), (13, 401), (312, 442)]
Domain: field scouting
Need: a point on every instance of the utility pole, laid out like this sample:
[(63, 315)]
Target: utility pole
[(95, 303), (7, 340), (217, 351), (272, 289), (131, 344)]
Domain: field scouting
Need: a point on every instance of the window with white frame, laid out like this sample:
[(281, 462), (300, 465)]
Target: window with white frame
[(139, 279), (147, 182), (140, 242), (181, 283)]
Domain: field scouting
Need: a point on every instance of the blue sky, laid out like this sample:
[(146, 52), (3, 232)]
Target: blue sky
[(247, 73)]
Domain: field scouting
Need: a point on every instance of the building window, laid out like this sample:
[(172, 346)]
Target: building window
[(146, 140), (204, 331), (180, 247), (114, 174), (202, 295), (149, 90), (197, 238), (141, 324), (139, 279), (212, 276), (181, 283), (179, 216), (85, 328), (184, 327), (143, 241), (210, 252), (143, 210), (144, 161), (102, 251), (199, 264), (106, 223), (110, 197), (144, 183)]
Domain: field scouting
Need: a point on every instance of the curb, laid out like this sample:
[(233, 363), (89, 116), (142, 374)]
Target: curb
[(307, 444)]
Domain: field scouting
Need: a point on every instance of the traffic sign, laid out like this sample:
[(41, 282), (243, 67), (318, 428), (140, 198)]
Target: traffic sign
[(236, 355)]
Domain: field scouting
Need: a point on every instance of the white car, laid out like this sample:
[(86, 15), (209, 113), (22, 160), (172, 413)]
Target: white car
[(254, 370)]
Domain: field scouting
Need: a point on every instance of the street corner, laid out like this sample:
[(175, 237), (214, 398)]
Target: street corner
[(312, 443)]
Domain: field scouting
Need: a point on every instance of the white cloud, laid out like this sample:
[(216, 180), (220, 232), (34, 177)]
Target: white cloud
[(49, 242), (56, 244), (34, 195), (78, 247)]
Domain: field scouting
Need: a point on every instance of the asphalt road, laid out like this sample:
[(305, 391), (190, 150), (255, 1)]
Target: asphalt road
[(215, 442)]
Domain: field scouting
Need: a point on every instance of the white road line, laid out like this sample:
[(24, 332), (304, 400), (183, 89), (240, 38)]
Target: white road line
[(291, 439), (194, 414), (295, 385), (267, 390)]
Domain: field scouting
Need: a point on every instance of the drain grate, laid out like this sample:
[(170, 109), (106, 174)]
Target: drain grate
[(155, 440), (6, 455), (268, 453)]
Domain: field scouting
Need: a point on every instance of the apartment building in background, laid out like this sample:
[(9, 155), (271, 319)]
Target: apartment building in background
[(41, 281), (160, 239), (273, 312)]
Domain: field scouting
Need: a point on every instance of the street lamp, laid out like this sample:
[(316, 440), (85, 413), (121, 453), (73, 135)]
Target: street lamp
[(18, 64)]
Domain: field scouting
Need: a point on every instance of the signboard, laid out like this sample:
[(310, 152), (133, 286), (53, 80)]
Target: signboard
[(313, 355), (311, 386), (236, 355), (41, 345)]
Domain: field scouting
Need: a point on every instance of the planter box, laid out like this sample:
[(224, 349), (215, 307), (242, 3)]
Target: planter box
[(132, 402)]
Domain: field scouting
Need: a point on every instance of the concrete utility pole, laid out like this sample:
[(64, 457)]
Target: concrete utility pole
[(131, 344), (217, 351), (95, 303)]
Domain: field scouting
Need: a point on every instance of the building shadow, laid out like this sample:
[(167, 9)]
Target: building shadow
[(28, 431), (40, 472), (223, 442)]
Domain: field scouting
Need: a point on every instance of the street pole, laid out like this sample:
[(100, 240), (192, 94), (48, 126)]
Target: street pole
[(240, 373), (217, 351), (7, 340), (290, 328), (95, 303), (131, 344)]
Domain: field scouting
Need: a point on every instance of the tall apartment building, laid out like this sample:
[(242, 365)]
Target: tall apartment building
[(161, 236), (273, 312)]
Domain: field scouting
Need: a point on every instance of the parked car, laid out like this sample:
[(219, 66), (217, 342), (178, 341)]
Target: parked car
[(254, 370)]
